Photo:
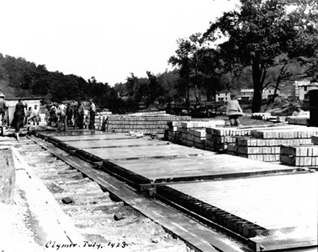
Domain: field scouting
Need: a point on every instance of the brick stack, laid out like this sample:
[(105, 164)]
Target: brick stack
[(196, 138), (305, 155), (141, 123), (190, 133), (172, 134), (266, 150), (220, 139), (265, 144), (100, 120), (299, 155)]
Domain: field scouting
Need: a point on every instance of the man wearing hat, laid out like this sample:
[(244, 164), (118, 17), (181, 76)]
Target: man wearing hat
[(3, 108)]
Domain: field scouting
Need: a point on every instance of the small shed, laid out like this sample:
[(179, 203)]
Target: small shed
[(303, 87), (269, 92), (247, 94), (223, 96)]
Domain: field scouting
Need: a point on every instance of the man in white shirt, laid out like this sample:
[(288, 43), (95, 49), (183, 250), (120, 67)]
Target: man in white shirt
[(92, 112)]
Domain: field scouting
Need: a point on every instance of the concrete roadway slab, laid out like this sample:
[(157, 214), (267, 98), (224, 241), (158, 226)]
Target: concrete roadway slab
[(143, 152), (287, 204), (90, 137), (109, 143), (208, 165)]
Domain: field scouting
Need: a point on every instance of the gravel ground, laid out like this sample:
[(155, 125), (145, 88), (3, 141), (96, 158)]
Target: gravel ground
[(16, 232)]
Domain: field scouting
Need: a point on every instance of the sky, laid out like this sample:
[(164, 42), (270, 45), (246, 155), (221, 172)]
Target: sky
[(104, 39)]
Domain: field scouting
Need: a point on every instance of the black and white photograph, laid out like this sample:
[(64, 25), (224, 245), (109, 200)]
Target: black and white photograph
[(159, 126)]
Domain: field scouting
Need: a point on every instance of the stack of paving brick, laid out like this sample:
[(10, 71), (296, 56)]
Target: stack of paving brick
[(194, 133), (196, 138), (305, 155), (190, 133), (265, 144), (100, 120), (220, 139), (171, 133), (141, 123)]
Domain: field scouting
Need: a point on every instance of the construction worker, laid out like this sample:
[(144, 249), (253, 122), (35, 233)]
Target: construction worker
[(19, 115), (234, 111), (3, 109), (92, 112)]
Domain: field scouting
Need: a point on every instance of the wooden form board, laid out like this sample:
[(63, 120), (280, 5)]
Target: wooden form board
[(286, 205), (208, 166)]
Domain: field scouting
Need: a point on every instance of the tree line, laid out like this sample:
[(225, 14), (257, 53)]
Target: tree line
[(20, 78), (259, 43)]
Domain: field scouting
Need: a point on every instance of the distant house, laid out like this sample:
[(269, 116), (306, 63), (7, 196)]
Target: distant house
[(303, 87), (222, 96), (247, 94), (269, 92)]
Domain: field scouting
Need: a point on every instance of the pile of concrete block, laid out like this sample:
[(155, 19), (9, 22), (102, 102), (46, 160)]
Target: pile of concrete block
[(220, 139), (190, 133), (171, 133), (196, 138), (101, 119), (305, 155), (299, 155), (141, 123), (265, 144)]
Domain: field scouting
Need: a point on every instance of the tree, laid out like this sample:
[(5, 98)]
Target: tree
[(182, 60), (155, 89), (168, 81), (262, 30), (132, 86), (209, 71)]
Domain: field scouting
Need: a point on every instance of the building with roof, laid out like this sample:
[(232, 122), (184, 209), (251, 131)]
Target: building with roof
[(303, 87), (222, 96)]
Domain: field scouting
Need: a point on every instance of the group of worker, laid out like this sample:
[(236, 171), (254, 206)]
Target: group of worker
[(72, 114), (60, 115)]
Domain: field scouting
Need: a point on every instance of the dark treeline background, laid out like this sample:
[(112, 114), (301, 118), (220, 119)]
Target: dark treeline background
[(21, 78)]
